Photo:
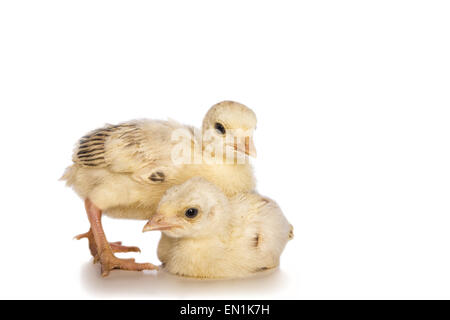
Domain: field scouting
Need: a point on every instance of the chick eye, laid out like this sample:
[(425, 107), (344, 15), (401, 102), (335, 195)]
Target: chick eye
[(191, 213), (219, 128)]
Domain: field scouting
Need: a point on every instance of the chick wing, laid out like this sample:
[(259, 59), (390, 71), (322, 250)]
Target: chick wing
[(141, 148)]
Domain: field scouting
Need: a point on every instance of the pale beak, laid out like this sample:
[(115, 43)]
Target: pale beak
[(249, 147), (158, 224)]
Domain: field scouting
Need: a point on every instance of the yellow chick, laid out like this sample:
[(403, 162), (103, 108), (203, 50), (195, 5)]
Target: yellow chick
[(124, 170), (207, 235)]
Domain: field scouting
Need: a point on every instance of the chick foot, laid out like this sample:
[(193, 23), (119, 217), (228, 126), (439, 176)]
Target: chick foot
[(115, 246), (103, 251), (110, 262)]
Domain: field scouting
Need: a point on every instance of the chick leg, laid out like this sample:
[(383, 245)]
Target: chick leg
[(115, 246), (103, 249)]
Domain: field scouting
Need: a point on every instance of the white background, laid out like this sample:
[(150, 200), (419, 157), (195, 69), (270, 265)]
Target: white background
[(352, 99)]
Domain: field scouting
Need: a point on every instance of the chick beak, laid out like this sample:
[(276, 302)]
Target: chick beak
[(156, 223), (249, 147)]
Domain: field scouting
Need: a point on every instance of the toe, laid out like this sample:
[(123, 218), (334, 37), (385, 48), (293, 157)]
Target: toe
[(120, 248)]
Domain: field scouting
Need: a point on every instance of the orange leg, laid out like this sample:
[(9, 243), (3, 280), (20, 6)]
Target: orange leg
[(103, 251)]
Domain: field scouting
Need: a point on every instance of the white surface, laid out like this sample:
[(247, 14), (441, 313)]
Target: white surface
[(353, 103)]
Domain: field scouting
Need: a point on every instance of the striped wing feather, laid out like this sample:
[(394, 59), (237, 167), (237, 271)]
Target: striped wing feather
[(118, 147)]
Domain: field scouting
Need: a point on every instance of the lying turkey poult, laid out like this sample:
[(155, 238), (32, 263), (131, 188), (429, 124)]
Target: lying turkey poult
[(207, 235)]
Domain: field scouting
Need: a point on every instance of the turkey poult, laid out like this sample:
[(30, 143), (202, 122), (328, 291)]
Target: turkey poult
[(124, 170), (207, 235)]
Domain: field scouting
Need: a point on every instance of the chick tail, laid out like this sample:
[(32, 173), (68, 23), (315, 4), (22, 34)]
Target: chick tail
[(68, 175), (291, 232)]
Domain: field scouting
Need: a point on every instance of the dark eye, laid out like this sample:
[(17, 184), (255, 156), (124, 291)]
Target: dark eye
[(191, 213), (219, 128)]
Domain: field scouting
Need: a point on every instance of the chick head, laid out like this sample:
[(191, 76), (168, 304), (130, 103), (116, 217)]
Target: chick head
[(231, 124), (195, 208)]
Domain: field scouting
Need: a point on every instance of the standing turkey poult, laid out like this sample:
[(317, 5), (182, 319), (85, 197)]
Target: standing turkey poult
[(207, 235), (124, 170)]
